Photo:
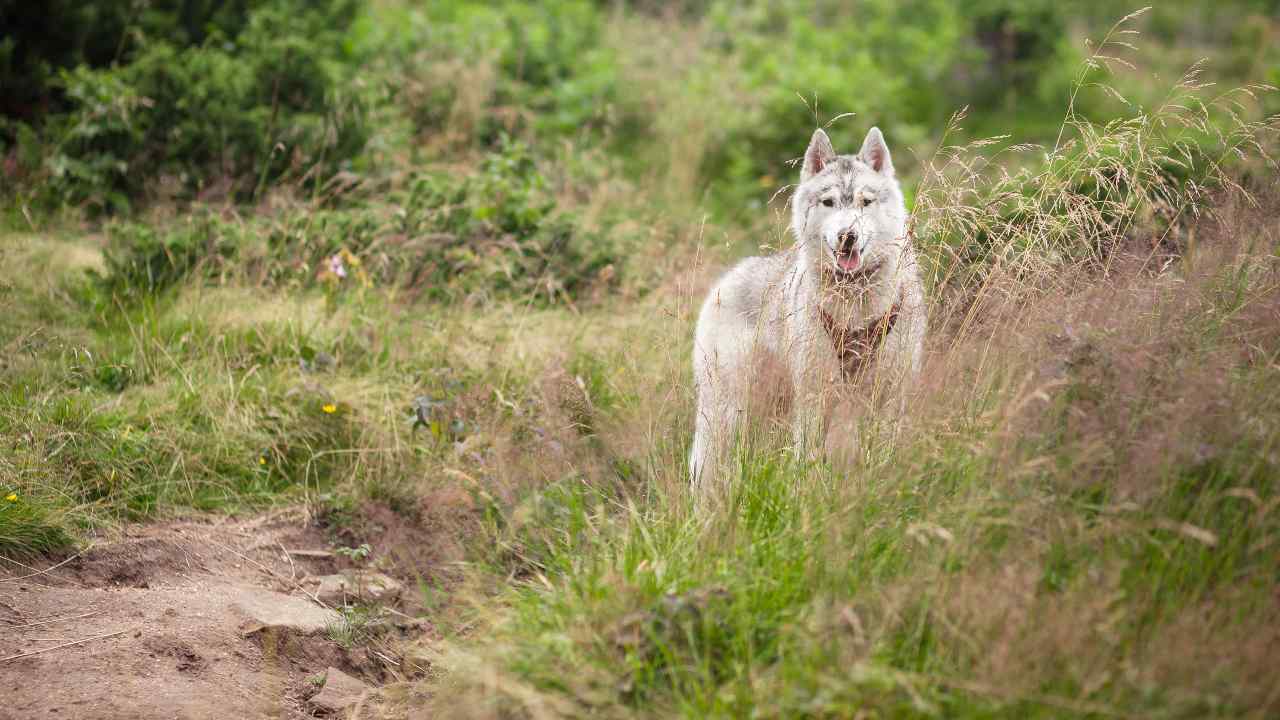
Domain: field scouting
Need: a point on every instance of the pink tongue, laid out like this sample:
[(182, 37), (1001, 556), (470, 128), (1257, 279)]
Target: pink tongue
[(849, 263)]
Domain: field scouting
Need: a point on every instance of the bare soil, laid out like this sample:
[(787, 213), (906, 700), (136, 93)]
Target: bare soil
[(204, 619)]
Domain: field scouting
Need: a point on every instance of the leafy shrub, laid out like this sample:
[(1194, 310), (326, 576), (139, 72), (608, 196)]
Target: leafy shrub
[(44, 39), (143, 260), (498, 230), (552, 73), (239, 110), (901, 65), (88, 166), (495, 232)]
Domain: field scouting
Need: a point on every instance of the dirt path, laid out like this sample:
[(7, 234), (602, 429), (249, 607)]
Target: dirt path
[(205, 620)]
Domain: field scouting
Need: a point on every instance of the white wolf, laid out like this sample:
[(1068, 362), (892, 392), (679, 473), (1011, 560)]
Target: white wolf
[(846, 294)]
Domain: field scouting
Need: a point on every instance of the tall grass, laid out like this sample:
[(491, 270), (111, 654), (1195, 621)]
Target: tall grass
[(1021, 217), (1083, 483)]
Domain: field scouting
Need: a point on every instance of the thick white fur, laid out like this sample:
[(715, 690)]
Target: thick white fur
[(769, 306)]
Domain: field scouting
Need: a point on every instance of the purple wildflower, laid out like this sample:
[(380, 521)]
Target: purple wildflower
[(336, 267)]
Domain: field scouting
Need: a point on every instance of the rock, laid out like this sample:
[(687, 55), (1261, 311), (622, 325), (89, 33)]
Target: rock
[(364, 586), (340, 692), (310, 553), (267, 609)]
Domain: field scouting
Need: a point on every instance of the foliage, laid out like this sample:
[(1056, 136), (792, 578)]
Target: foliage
[(236, 111), (62, 35), (499, 231), (494, 233), (222, 101)]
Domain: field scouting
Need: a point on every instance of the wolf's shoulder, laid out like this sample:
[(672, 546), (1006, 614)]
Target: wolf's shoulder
[(756, 271), (743, 287), (760, 265)]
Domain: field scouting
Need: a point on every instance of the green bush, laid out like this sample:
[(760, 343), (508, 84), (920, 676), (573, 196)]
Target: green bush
[(905, 66), (144, 261), (44, 39), (236, 111), (554, 74), (497, 232)]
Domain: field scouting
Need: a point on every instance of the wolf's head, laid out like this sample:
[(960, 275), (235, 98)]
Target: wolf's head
[(848, 209)]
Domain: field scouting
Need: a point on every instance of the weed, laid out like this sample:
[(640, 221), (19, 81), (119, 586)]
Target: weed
[(356, 554)]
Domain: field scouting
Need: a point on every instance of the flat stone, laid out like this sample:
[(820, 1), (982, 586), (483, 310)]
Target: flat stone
[(310, 553), (340, 692), (267, 609), (363, 586)]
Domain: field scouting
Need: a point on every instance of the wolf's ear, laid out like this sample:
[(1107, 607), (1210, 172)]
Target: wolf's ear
[(817, 156), (875, 152)]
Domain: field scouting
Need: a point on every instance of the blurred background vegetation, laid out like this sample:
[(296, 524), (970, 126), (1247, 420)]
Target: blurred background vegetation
[(116, 103)]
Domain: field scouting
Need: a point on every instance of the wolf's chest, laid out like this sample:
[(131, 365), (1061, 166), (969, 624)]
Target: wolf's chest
[(856, 347)]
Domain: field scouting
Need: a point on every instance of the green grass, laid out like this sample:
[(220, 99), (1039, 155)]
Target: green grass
[(216, 390), (28, 528), (126, 411)]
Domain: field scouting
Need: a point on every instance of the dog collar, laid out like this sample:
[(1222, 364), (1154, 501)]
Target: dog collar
[(856, 347)]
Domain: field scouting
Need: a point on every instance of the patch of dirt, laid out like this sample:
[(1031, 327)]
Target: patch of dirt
[(184, 655), (412, 549), (131, 563), (185, 619)]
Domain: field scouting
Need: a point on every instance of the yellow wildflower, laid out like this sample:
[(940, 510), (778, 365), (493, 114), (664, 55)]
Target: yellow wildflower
[(262, 460), (11, 497), (330, 408)]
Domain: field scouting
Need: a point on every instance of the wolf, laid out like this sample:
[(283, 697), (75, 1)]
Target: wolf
[(844, 299)]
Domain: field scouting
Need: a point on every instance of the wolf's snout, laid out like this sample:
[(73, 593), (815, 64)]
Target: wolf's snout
[(847, 253), (848, 241)]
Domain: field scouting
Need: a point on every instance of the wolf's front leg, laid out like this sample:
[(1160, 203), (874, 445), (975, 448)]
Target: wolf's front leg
[(720, 377), (813, 378), (716, 426), (808, 432)]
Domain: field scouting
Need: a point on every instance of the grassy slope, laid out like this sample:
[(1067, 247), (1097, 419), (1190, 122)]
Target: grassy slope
[(1080, 516)]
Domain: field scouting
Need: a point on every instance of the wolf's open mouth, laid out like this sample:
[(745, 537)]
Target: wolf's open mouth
[(851, 265)]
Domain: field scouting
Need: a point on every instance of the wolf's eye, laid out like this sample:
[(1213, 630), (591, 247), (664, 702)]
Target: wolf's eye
[(867, 201), (828, 202)]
